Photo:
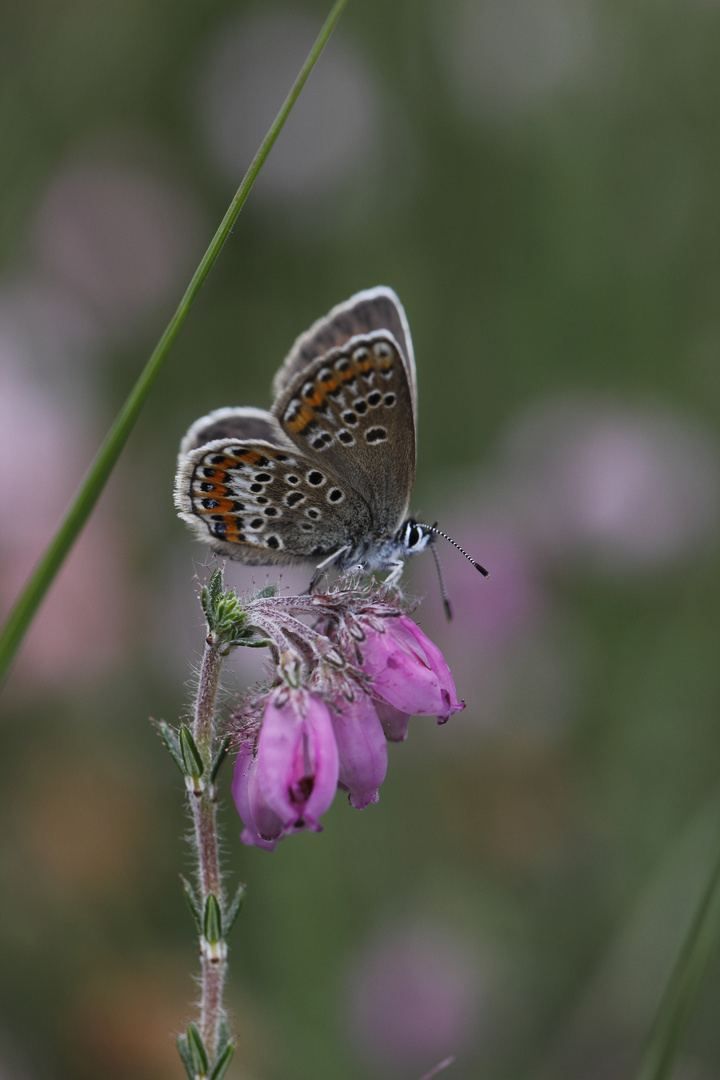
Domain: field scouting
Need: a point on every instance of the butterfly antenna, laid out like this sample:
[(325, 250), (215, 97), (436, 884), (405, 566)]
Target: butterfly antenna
[(434, 529), (443, 589)]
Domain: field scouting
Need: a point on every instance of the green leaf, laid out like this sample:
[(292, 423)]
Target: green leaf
[(220, 1067), (185, 1056), (212, 923), (193, 763), (223, 1035), (193, 904), (219, 758), (234, 909), (683, 988), (198, 1053), (42, 577), (172, 743)]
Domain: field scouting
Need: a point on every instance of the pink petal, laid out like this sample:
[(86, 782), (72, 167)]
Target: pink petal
[(244, 771), (394, 722), (362, 750)]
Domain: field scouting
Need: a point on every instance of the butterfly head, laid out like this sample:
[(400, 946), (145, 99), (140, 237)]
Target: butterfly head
[(412, 537)]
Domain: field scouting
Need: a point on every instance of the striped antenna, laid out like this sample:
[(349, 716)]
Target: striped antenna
[(434, 529)]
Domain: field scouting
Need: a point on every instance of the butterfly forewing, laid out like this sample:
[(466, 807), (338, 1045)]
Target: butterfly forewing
[(260, 503), (351, 411), (373, 309)]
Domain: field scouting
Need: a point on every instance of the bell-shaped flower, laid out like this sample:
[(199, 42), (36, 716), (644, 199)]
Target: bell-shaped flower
[(362, 749), (297, 759), (408, 671), (262, 826)]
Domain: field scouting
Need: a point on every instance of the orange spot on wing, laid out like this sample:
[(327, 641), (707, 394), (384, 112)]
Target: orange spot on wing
[(304, 417)]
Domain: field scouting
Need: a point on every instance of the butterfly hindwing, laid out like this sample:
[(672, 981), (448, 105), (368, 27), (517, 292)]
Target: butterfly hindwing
[(373, 309), (261, 503), (351, 411)]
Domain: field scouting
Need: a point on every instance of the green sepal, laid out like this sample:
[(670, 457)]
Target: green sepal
[(219, 758), (212, 922), (172, 743), (184, 1051), (193, 904), (198, 1053), (266, 593), (220, 1067), (234, 909), (192, 762), (253, 642), (209, 596)]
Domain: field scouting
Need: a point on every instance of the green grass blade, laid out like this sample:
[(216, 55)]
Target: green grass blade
[(681, 993), (43, 575)]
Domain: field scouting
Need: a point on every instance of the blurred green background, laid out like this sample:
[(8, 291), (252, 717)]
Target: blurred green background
[(538, 180)]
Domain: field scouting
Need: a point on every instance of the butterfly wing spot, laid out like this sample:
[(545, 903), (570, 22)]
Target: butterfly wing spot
[(389, 400), (294, 498), (360, 406), (374, 398), (313, 513), (322, 440), (350, 417), (291, 478), (274, 542), (345, 437), (272, 511), (335, 495), (316, 478), (375, 435)]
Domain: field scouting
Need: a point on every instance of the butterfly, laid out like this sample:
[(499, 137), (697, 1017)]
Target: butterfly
[(326, 474)]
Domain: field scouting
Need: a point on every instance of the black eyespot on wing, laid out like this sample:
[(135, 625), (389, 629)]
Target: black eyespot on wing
[(374, 398), (375, 434), (209, 503), (335, 495), (293, 498), (315, 478)]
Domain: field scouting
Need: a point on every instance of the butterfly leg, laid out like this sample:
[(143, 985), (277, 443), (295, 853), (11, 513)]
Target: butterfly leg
[(321, 567), (395, 574)]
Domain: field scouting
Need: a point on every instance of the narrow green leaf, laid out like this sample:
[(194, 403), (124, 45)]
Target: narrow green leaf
[(219, 758), (222, 1062), (172, 743), (198, 1053), (193, 904), (212, 923), (683, 988), (44, 574), (185, 1056), (234, 909), (193, 763), (223, 1035)]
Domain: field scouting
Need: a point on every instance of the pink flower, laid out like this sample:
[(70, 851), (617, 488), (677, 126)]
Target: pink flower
[(262, 826), (408, 671), (297, 759), (362, 749)]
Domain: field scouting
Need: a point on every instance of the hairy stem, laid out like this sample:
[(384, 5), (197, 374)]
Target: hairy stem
[(204, 811)]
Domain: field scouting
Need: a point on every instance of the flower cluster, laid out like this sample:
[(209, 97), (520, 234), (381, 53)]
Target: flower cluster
[(341, 689)]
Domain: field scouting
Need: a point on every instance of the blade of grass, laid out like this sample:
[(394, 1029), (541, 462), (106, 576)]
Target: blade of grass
[(683, 988), (27, 604)]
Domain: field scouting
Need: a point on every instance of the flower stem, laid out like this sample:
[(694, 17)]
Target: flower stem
[(203, 805)]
